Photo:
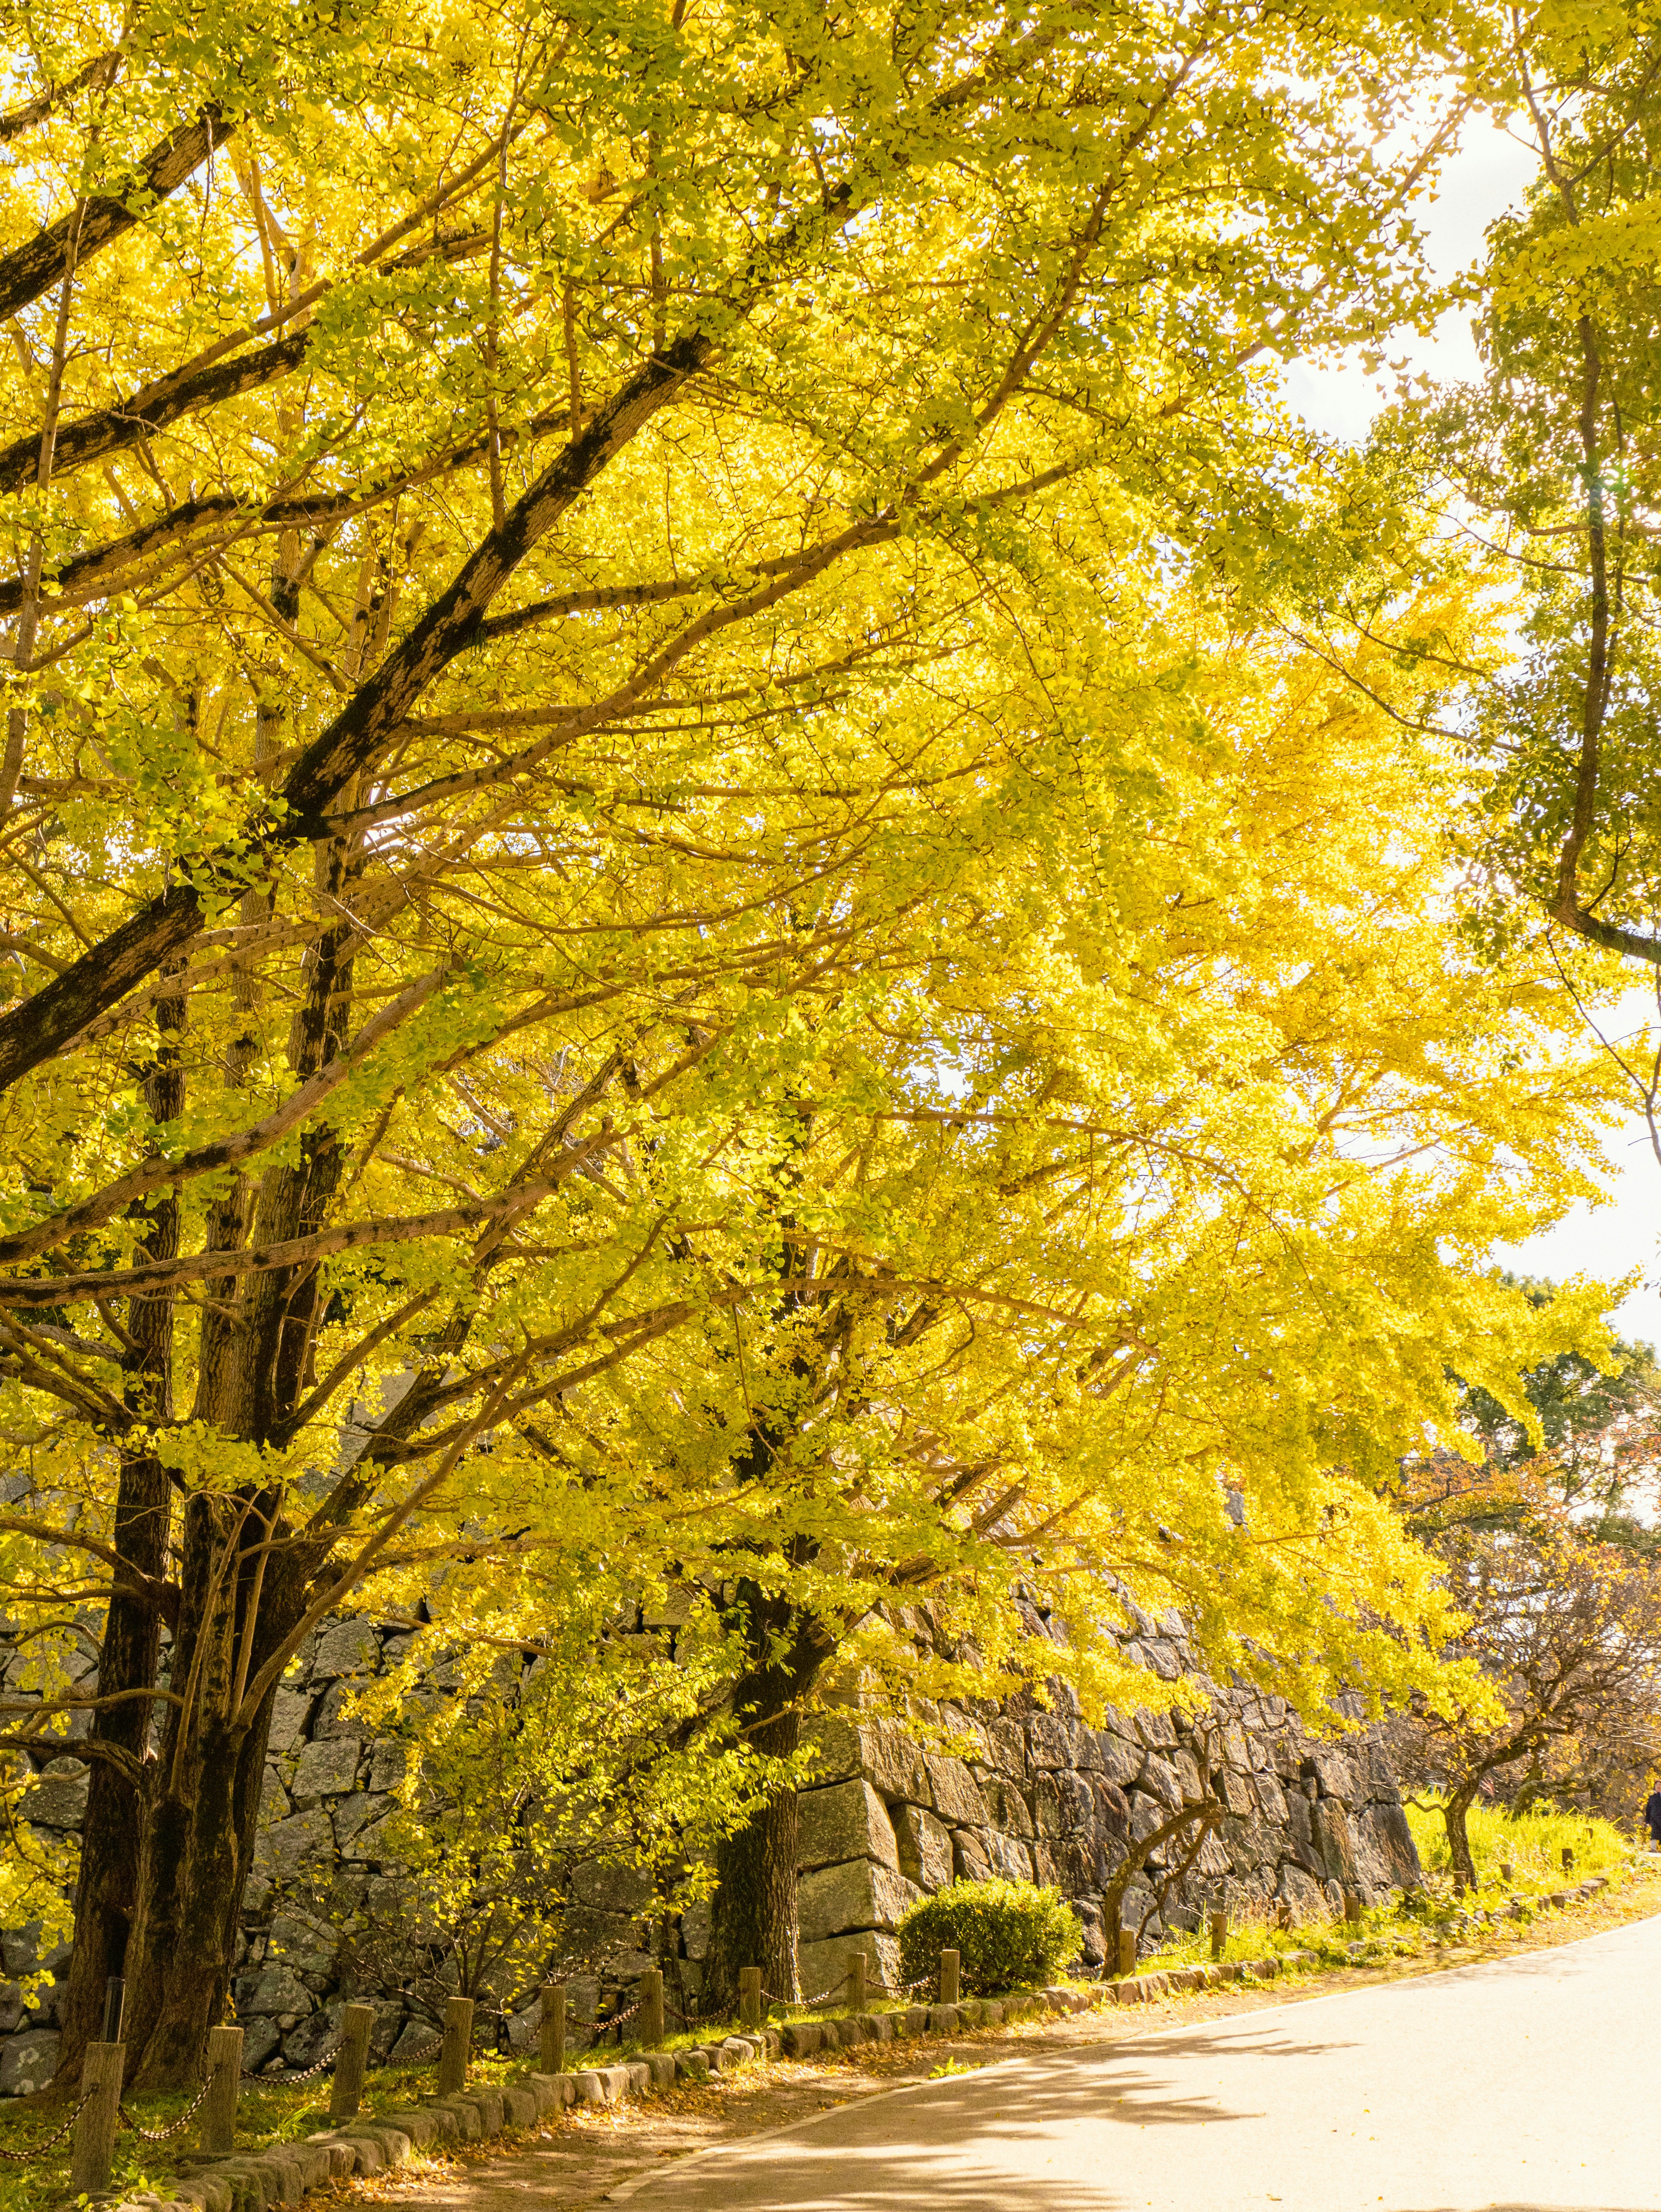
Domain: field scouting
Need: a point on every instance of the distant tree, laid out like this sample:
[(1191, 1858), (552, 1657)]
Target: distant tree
[(1563, 1631), (1598, 1450)]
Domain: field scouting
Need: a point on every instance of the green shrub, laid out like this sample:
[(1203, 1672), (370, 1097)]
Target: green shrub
[(1005, 1933)]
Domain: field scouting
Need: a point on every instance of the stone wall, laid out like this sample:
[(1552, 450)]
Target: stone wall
[(1042, 1797), (1039, 1794)]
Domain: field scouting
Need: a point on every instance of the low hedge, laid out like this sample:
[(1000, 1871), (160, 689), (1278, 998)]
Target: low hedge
[(1005, 1933)]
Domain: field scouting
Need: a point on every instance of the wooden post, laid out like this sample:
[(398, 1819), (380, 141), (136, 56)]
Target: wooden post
[(651, 2008), (750, 1996), (948, 1977), (1351, 1908), (224, 2086), (553, 2027), (458, 2045), (1219, 1932), (94, 2130), (1126, 1950), (351, 2062), (1508, 1874), (856, 1965), (1568, 1859)]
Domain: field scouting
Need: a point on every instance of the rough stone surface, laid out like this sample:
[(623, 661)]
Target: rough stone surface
[(27, 2062), (847, 1820), (858, 1893)]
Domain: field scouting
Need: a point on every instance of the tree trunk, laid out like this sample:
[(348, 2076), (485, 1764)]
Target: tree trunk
[(1454, 1812), (199, 1837), (753, 1923), (753, 1913), (130, 1649), (112, 1831)]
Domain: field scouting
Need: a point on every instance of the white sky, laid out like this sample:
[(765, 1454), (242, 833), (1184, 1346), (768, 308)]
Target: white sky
[(1488, 175)]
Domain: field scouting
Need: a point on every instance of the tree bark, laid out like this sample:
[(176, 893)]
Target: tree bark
[(1455, 1809), (130, 1649), (753, 1914)]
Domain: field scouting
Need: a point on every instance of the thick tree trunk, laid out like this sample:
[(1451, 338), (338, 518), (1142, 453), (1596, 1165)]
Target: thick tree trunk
[(129, 1652), (199, 1837), (753, 1915), (754, 1920), (107, 1890)]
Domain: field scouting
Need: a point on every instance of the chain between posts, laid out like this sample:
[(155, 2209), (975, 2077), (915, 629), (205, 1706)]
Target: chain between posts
[(878, 1989), (39, 2149), (161, 2134), (293, 2081)]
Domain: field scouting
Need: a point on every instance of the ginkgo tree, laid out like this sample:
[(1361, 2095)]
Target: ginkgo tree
[(634, 939)]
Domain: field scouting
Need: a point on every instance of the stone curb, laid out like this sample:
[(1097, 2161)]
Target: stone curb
[(285, 2173)]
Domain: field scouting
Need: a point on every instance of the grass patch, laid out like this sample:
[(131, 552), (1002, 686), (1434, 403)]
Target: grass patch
[(1532, 1845)]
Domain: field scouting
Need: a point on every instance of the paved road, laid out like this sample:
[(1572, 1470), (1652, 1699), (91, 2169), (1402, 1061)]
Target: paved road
[(1531, 2084)]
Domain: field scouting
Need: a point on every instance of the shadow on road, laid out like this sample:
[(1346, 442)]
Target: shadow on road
[(976, 2142)]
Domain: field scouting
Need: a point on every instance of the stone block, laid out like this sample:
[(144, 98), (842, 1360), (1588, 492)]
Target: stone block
[(1157, 1782), (314, 2163), (420, 2124), (956, 1794), (968, 1860), (846, 1821), (803, 2038), (923, 1847), (274, 1803), (661, 2068), (387, 1763), (289, 2176), (882, 1752), (858, 1893), (620, 1889), (1007, 1856), (1329, 1827), (1052, 1740), (590, 2089), (1119, 1758), (691, 2066), (1331, 1773), (1006, 1805), (470, 2126), (27, 2062), (916, 2018), (303, 1840), (1006, 1746), (57, 1798), (1158, 1731), (1303, 1893), (328, 1769), (252, 2184), (1061, 1804), (1390, 1844), (944, 2020), (519, 2107), (305, 1946), (349, 1646), (288, 1711), (492, 2111), (276, 1991)]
